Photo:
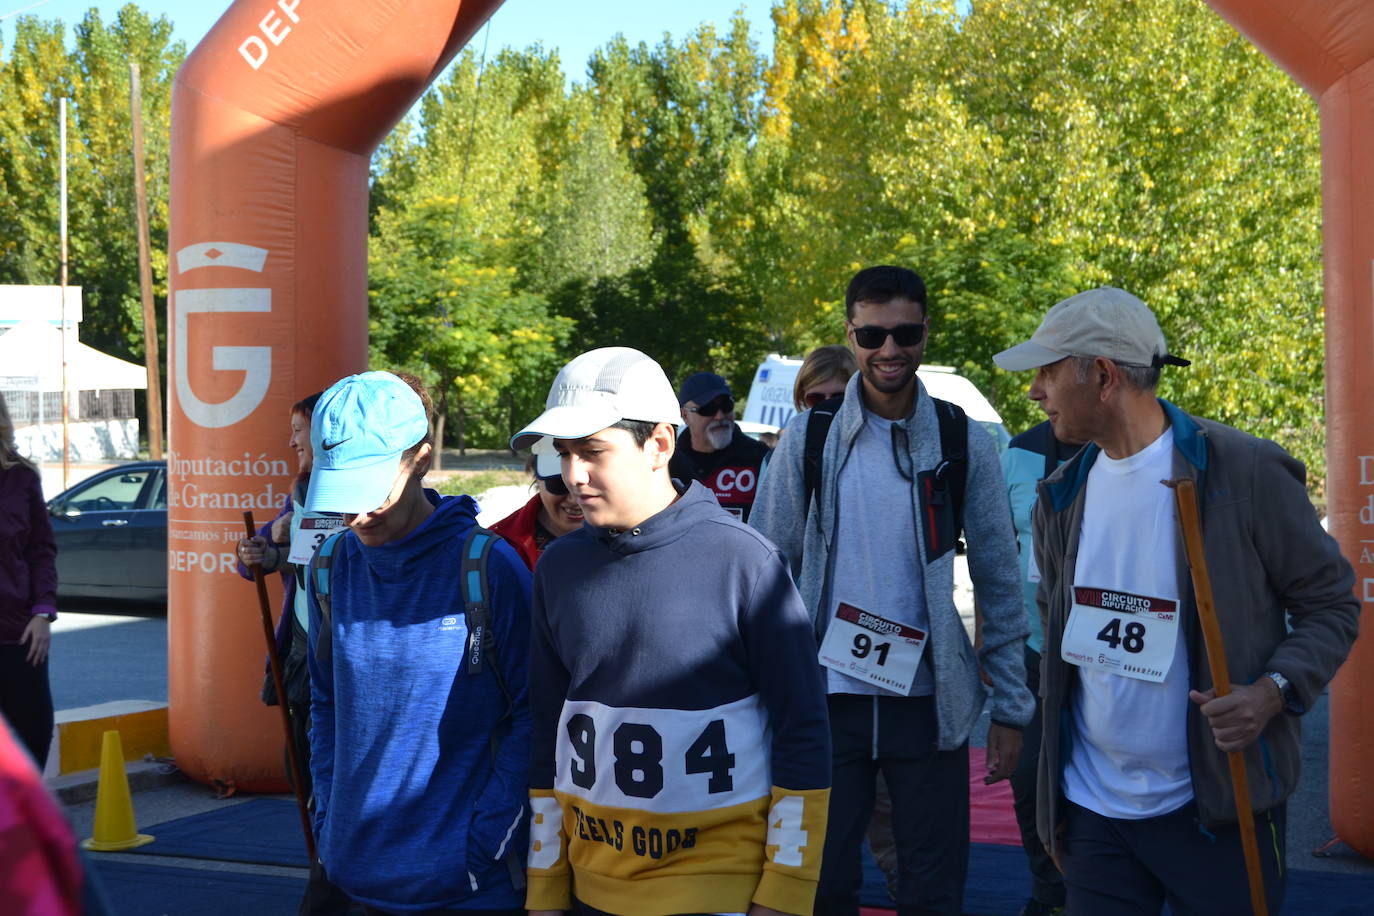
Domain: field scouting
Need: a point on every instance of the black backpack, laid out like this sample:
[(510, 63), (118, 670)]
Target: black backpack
[(950, 476)]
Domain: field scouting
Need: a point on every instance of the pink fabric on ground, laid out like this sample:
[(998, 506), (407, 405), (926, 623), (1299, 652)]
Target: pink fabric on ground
[(991, 818)]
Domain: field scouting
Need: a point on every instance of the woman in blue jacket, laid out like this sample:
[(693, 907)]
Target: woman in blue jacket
[(420, 758)]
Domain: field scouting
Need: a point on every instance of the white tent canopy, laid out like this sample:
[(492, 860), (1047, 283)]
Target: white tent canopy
[(34, 349)]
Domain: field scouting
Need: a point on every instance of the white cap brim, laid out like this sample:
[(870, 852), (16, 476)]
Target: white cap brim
[(351, 490), (1028, 355), (567, 422)]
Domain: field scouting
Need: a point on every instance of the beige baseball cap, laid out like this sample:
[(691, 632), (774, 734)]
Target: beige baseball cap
[(1106, 322)]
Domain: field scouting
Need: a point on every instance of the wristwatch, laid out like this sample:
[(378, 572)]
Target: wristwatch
[(1285, 688)]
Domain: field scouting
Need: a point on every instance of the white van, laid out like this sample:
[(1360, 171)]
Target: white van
[(770, 396)]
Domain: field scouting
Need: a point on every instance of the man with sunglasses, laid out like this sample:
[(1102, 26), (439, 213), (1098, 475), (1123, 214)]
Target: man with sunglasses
[(873, 557), (713, 449)]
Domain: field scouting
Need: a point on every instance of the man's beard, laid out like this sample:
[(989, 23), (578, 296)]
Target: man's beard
[(719, 435)]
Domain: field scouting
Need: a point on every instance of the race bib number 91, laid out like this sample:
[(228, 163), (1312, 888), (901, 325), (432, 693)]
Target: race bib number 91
[(873, 649), (1121, 633)]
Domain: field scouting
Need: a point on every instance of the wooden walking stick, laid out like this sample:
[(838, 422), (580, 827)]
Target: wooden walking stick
[(1185, 496), (274, 662)]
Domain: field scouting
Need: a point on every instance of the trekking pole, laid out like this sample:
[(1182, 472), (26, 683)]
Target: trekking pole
[(274, 662), (1185, 496)]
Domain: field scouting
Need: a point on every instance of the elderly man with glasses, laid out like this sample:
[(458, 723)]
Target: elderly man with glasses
[(713, 449), (901, 474)]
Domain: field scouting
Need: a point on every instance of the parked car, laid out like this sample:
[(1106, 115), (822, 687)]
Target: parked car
[(111, 532)]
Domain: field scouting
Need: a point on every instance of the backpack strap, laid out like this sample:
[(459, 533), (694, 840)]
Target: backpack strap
[(817, 429), (952, 471), (481, 646), (319, 572)]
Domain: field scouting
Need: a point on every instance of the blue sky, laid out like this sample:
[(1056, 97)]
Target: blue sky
[(575, 29)]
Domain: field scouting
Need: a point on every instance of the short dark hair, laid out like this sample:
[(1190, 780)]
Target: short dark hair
[(882, 284), (641, 430), (422, 392), (306, 405)]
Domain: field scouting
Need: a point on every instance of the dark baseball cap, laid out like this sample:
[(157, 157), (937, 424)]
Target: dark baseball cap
[(703, 387)]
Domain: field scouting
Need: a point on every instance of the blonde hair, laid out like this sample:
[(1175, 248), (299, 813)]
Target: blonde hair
[(820, 365), (9, 452)]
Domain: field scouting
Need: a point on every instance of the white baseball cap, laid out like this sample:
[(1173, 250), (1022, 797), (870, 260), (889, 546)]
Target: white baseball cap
[(599, 389), (1106, 322)]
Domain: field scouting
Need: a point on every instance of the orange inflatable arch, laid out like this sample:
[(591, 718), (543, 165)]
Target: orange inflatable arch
[(274, 118)]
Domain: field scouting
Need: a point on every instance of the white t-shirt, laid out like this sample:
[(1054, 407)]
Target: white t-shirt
[(1129, 753), (877, 561)]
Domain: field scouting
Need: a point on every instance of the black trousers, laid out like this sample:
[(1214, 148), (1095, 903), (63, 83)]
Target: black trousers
[(1115, 867), (1047, 885), (26, 701), (896, 736)]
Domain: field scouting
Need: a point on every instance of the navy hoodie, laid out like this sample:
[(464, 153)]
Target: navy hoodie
[(681, 751), (412, 810)]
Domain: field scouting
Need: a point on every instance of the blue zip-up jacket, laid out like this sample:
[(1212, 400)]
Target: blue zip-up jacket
[(413, 809)]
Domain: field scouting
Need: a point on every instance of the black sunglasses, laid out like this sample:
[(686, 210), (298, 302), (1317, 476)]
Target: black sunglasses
[(871, 337), (555, 485), (812, 398), (722, 404)]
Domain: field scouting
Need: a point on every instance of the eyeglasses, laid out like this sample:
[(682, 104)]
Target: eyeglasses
[(554, 485), (722, 404), (812, 398), (872, 337)]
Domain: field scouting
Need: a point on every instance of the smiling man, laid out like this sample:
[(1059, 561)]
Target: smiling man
[(713, 449), (873, 552), (680, 759), (419, 755)]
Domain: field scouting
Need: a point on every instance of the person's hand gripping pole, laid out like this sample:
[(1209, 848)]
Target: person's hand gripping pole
[(274, 662)]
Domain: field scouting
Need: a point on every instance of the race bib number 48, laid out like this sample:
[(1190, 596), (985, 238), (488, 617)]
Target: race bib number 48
[(872, 648), (1121, 633)]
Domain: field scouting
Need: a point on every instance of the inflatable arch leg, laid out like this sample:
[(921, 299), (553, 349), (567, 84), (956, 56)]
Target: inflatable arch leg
[(1329, 49), (274, 118)]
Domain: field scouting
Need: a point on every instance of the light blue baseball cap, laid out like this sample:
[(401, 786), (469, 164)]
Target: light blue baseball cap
[(360, 428)]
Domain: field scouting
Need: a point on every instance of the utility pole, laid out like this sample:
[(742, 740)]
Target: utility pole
[(145, 273), (66, 412)]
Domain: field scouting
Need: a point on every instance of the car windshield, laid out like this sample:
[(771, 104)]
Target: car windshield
[(113, 492)]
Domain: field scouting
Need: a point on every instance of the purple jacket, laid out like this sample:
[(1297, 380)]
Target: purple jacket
[(28, 554)]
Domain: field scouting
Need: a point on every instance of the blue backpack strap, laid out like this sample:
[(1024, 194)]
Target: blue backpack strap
[(318, 572), (476, 605), (481, 648)]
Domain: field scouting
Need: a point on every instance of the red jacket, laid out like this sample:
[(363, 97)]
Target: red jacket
[(518, 528)]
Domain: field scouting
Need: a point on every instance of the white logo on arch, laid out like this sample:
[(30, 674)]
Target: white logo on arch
[(254, 362)]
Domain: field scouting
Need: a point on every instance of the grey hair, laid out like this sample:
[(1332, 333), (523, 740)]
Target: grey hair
[(1144, 379)]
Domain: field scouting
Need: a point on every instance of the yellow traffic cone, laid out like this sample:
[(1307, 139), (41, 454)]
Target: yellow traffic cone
[(114, 809)]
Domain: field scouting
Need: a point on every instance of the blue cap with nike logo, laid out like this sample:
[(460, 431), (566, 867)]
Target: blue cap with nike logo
[(360, 428)]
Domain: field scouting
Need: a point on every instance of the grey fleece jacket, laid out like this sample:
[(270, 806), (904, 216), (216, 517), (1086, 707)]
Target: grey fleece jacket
[(805, 540)]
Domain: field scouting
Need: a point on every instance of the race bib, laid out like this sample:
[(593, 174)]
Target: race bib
[(315, 527), (1120, 633), (874, 649)]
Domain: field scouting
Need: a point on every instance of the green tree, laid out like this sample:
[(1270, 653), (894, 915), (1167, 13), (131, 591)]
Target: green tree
[(103, 252)]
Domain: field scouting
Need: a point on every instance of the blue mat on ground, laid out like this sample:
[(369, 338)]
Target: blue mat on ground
[(136, 889), (267, 831), (262, 831), (999, 883)]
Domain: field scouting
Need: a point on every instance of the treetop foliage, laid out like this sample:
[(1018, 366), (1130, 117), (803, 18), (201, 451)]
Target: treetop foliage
[(708, 203)]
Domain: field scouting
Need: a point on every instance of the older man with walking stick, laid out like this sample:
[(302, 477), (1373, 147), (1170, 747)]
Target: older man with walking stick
[(1136, 798)]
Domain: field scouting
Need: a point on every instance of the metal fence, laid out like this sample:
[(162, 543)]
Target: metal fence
[(26, 407)]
